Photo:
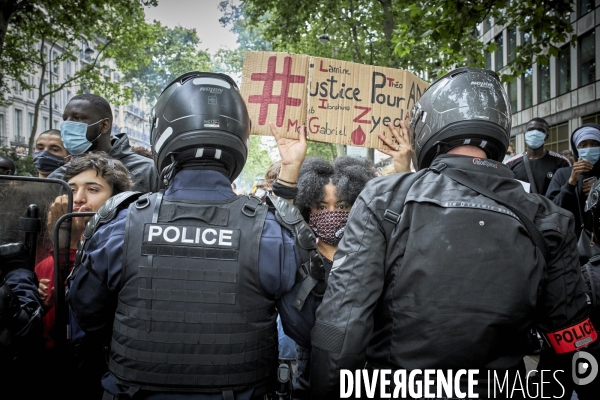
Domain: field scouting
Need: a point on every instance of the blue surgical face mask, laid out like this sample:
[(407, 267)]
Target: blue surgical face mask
[(591, 154), (535, 139), (47, 162), (74, 138)]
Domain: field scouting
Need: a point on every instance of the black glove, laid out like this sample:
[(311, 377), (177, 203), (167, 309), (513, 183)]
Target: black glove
[(13, 256), (9, 304)]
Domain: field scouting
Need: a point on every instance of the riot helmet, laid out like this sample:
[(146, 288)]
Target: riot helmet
[(200, 118), (467, 106)]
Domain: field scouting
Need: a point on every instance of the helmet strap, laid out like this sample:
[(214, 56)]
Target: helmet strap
[(445, 147), (167, 173), (199, 158)]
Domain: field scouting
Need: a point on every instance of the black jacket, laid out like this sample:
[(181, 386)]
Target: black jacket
[(571, 197), (457, 285), (141, 169)]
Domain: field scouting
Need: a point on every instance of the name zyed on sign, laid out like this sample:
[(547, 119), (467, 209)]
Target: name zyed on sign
[(170, 234)]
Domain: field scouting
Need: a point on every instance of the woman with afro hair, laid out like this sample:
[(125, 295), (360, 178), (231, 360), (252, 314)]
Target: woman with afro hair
[(324, 193)]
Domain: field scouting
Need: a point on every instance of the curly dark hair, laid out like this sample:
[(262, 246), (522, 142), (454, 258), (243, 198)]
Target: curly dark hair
[(348, 174), (112, 170)]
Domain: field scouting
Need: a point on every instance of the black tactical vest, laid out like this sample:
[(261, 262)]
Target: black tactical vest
[(192, 314)]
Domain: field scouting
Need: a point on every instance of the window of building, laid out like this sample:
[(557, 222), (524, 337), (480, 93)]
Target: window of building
[(512, 43), (543, 83), (590, 119), (488, 60), (499, 52), (559, 138), (487, 24), (526, 37), (527, 81), (18, 125), (30, 79), (55, 124), (17, 88), (3, 140), (587, 58), (585, 6), (513, 143), (68, 69), (45, 122), (31, 121), (512, 94), (563, 84), (55, 63)]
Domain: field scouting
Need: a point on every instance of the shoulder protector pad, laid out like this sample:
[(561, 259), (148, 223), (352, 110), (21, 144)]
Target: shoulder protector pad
[(290, 218)]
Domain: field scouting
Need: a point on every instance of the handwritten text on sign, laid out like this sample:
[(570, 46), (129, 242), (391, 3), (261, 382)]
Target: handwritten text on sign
[(340, 102)]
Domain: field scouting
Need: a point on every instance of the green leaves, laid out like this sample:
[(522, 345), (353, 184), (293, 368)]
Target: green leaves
[(444, 33), (41, 31), (170, 53)]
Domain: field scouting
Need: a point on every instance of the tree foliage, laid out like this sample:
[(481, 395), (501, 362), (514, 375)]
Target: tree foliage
[(359, 30), (249, 38), (173, 52), (257, 163), (30, 31), (444, 32), (422, 36)]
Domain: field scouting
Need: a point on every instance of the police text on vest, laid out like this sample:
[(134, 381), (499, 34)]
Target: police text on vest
[(190, 235)]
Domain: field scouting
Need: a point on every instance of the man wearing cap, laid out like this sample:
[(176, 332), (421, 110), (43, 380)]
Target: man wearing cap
[(536, 165), (570, 186)]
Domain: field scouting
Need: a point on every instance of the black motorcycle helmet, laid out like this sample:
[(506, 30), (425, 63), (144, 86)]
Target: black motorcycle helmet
[(467, 106), (592, 206), (202, 117)]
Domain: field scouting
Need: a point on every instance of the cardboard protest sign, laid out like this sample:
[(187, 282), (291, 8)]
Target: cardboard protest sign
[(274, 88), (339, 101)]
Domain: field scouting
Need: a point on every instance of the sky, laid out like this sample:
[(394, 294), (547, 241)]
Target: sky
[(200, 14)]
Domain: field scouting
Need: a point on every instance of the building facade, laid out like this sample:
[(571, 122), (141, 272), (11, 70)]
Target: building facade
[(17, 119), (566, 93)]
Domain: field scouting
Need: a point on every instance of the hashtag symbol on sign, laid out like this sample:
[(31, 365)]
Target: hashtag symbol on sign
[(268, 97)]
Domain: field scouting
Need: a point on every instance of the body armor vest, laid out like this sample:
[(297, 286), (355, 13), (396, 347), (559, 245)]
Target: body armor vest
[(192, 314)]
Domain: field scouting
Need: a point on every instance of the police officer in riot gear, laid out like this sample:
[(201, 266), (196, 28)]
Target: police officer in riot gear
[(449, 267), (564, 386), (188, 278)]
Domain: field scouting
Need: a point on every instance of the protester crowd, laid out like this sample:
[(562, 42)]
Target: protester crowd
[(183, 286)]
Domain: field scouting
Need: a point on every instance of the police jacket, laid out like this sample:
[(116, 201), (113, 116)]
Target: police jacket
[(456, 285), (141, 169), (98, 291)]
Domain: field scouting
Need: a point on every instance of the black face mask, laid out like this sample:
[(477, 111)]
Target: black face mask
[(47, 162)]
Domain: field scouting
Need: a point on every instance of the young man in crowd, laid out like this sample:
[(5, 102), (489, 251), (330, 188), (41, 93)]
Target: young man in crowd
[(537, 165), (87, 127)]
